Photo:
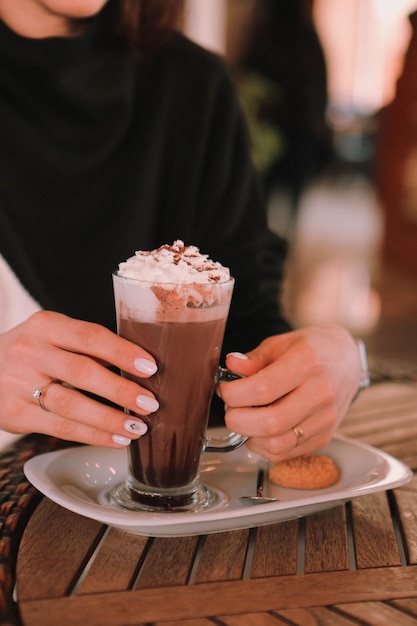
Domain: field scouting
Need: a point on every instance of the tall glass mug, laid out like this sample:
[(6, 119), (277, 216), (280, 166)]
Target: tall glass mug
[(182, 327)]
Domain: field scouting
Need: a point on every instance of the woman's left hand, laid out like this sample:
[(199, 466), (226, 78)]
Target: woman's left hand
[(297, 389)]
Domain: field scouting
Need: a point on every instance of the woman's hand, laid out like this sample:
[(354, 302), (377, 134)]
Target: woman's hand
[(53, 347), (298, 388)]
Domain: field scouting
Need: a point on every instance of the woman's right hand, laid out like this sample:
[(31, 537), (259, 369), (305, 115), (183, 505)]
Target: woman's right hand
[(50, 347)]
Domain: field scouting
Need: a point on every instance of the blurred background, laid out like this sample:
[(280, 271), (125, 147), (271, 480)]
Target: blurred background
[(332, 114)]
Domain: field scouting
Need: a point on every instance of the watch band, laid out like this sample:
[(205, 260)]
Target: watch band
[(365, 380)]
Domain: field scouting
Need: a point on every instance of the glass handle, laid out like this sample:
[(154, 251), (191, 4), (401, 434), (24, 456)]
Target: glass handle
[(232, 441)]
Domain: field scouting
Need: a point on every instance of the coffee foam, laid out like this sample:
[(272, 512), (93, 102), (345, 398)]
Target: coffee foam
[(172, 283)]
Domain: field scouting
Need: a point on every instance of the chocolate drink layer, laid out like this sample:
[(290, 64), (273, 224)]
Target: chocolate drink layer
[(187, 355)]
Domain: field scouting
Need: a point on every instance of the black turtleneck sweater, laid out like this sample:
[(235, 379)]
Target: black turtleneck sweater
[(102, 155)]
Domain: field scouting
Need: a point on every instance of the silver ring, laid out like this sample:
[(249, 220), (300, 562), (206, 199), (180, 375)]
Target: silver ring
[(299, 434), (40, 394)]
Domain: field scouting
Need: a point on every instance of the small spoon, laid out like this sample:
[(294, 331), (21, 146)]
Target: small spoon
[(260, 498)]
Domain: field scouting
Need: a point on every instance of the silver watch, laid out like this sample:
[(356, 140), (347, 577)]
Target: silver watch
[(365, 380)]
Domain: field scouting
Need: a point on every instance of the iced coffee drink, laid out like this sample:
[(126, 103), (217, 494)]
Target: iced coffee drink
[(174, 303)]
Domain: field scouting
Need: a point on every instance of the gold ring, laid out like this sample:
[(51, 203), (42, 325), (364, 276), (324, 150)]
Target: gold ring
[(299, 433), (40, 394)]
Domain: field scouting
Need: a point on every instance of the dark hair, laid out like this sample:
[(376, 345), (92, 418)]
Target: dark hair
[(146, 24)]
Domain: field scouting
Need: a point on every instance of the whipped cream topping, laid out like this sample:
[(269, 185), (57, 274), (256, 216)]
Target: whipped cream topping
[(176, 263)]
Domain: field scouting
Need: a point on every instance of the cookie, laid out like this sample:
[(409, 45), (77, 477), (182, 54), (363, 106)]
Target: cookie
[(305, 472)]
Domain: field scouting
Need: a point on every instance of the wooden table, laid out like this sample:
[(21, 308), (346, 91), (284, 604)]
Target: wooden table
[(353, 564)]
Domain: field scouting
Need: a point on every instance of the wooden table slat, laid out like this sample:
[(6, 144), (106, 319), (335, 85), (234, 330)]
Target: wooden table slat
[(378, 403), (190, 622), (374, 535), (275, 550), (407, 605), (168, 563), (377, 613), (406, 499), (326, 541), (62, 554), (223, 556), (203, 600), (115, 566), (253, 619), (315, 616), (361, 425)]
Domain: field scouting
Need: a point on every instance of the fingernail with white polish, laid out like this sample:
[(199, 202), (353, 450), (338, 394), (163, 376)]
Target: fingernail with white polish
[(120, 440), (136, 427), (239, 355), (147, 403), (145, 366)]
